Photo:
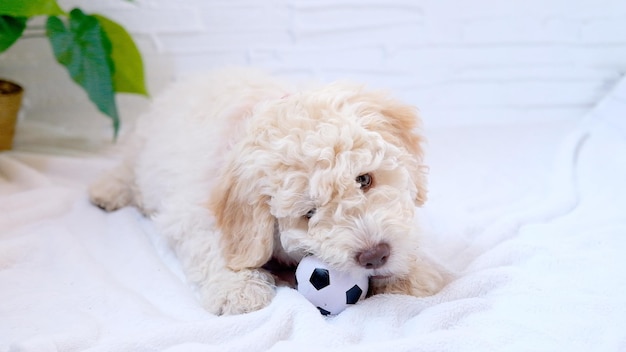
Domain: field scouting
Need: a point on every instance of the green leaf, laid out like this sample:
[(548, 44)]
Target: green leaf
[(11, 29), (84, 49), (29, 8), (129, 74)]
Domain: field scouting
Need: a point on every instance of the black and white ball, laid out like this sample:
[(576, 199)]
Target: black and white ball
[(329, 290)]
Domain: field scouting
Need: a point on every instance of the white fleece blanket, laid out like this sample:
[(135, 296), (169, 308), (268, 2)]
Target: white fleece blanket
[(531, 218)]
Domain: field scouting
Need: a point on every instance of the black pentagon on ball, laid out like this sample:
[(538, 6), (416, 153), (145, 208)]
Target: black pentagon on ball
[(353, 294), (323, 311), (320, 278)]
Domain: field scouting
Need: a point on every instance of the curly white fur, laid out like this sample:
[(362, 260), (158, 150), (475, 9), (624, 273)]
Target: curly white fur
[(229, 164)]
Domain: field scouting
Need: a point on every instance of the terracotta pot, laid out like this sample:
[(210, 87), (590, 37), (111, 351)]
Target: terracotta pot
[(10, 102)]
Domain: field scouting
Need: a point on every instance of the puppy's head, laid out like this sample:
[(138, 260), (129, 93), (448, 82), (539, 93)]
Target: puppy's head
[(335, 172)]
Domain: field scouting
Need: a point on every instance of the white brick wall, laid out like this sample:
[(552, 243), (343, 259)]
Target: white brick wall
[(460, 61)]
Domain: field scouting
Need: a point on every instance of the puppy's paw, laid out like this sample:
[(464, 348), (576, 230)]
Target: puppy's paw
[(112, 191), (240, 292), (419, 282)]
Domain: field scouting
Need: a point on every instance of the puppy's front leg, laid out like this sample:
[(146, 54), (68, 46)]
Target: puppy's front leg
[(197, 244), (237, 292)]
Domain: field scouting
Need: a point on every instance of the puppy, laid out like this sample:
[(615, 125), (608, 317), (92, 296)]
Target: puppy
[(237, 169)]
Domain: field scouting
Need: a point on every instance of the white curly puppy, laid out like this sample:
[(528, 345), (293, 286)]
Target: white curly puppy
[(238, 169)]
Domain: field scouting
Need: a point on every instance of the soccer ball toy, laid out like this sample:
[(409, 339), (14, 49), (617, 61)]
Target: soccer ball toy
[(331, 291)]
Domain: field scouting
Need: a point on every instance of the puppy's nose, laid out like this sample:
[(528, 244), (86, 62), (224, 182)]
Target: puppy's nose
[(374, 257)]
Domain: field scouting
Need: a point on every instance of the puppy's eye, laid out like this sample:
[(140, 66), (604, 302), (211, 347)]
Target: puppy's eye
[(310, 213), (365, 181)]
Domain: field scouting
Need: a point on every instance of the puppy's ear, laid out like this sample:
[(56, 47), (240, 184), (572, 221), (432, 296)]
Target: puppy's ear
[(404, 119), (243, 216), (401, 128)]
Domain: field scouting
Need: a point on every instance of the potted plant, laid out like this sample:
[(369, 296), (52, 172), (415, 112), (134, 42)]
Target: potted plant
[(10, 101), (97, 52)]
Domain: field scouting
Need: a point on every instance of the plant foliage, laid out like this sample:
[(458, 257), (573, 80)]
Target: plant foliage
[(11, 29), (98, 53), (30, 8), (84, 49)]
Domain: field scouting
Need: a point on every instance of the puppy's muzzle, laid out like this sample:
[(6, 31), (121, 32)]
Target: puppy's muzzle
[(374, 257)]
